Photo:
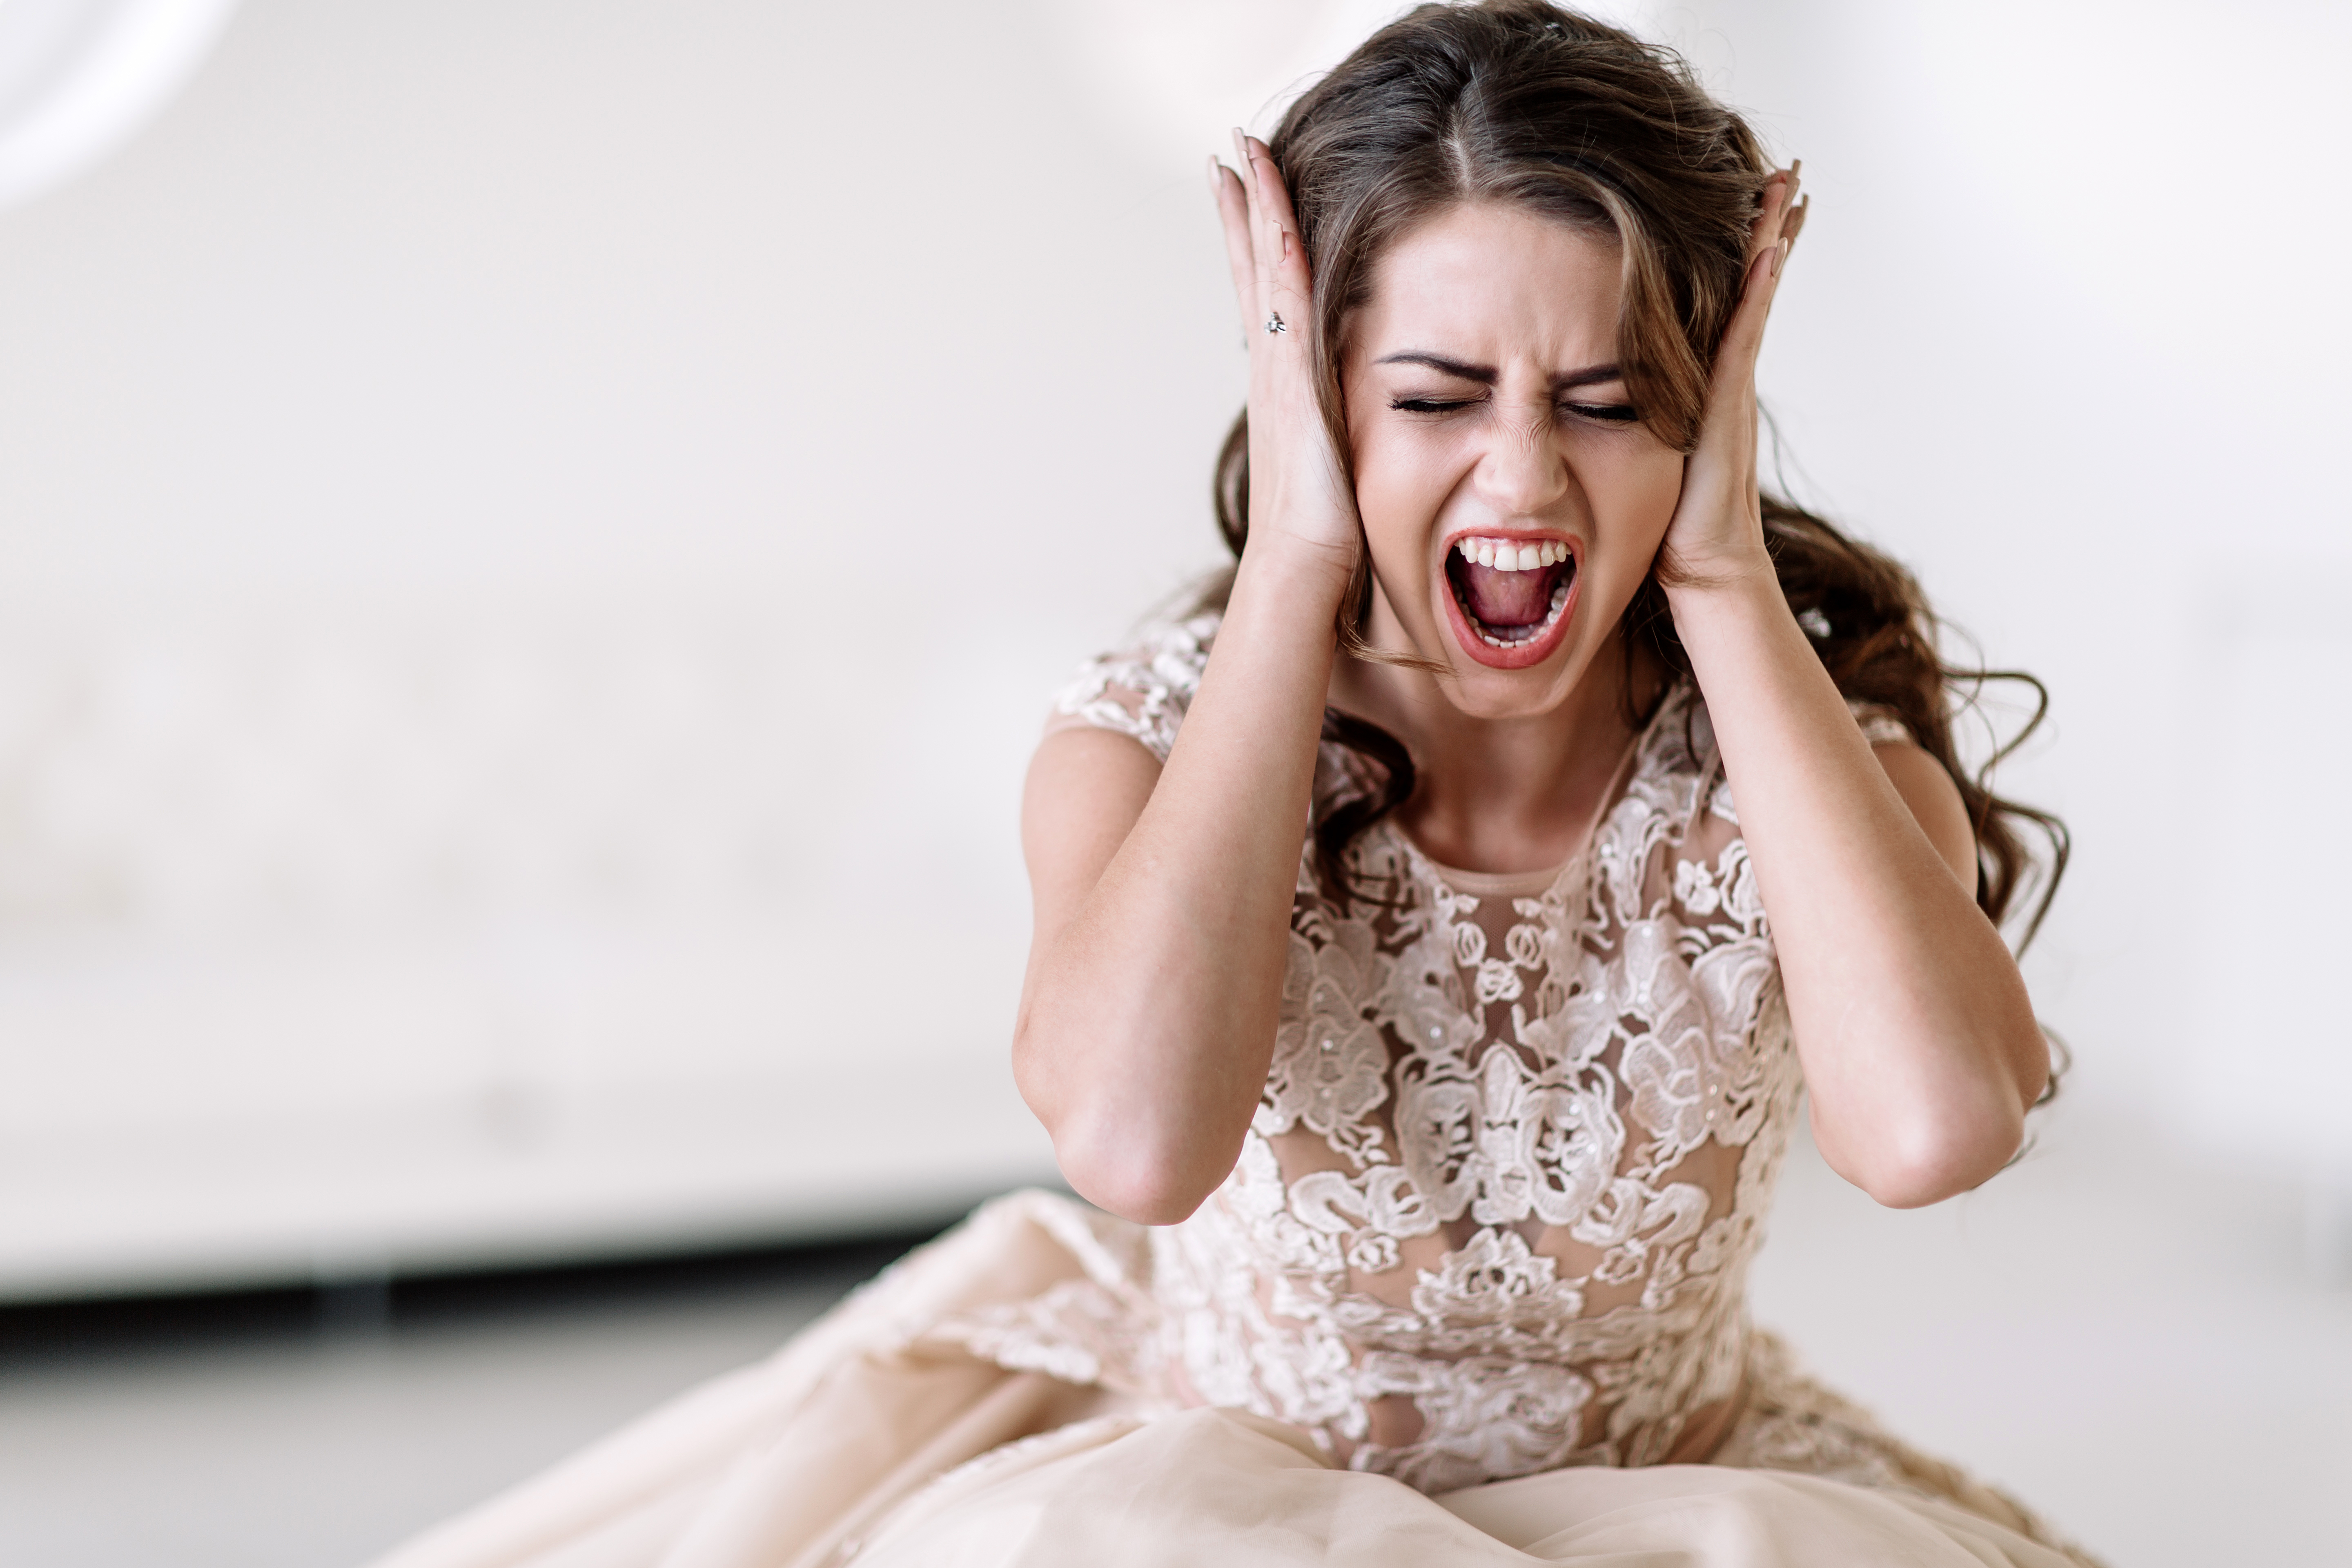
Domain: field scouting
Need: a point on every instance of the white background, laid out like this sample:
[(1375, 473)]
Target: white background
[(534, 540)]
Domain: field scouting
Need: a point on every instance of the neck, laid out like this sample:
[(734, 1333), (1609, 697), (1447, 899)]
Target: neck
[(1520, 794)]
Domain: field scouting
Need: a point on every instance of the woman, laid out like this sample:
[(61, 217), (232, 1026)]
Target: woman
[(1429, 1145)]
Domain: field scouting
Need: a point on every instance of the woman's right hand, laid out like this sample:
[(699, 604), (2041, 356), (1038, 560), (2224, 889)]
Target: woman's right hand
[(1298, 492), (1163, 893)]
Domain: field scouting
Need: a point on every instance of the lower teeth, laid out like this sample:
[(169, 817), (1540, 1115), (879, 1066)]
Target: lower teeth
[(1520, 636)]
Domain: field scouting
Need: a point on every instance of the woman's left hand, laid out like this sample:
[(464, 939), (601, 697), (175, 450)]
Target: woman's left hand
[(1917, 1039), (1717, 532)]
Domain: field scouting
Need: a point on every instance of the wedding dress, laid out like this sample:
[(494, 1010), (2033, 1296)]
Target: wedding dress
[(1474, 1293)]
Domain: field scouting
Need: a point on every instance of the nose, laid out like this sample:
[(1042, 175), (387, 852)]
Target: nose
[(1523, 471)]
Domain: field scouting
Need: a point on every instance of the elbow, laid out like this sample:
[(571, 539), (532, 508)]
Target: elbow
[(1128, 1181), (1147, 1147), (1143, 1195), (1123, 1165), (1916, 1186), (1933, 1159), (1941, 1133)]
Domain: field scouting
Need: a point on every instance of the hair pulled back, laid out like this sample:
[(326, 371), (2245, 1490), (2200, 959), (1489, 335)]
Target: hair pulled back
[(1522, 101)]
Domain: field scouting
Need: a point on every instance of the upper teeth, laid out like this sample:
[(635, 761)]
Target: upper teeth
[(1510, 555)]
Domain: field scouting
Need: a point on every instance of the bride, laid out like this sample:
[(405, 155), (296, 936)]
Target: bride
[(1434, 934)]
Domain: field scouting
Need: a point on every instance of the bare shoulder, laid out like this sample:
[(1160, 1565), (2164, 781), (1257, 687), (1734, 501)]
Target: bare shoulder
[(1087, 787), (1075, 763)]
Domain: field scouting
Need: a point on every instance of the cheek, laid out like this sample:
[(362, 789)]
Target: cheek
[(1632, 496), (1637, 490), (1401, 484)]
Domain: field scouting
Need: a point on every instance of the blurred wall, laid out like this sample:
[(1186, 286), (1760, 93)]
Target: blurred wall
[(538, 537), (2057, 336)]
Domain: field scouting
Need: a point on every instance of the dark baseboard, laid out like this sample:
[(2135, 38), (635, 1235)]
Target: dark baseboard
[(36, 1335)]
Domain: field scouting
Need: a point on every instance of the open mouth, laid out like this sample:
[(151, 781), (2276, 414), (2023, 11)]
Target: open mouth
[(1511, 593)]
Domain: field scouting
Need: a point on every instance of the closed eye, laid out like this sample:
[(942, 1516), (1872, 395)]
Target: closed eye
[(1609, 412)]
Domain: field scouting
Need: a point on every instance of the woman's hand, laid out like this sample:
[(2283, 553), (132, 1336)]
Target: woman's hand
[(1298, 493), (1919, 1042), (1163, 894), (1717, 532)]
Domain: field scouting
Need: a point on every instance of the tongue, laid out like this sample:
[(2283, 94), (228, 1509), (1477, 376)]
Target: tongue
[(1507, 599)]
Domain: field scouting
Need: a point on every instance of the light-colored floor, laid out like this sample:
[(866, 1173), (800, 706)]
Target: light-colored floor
[(320, 1453), (2124, 1336)]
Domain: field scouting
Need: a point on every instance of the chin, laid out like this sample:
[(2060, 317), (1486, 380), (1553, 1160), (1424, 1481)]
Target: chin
[(1480, 691)]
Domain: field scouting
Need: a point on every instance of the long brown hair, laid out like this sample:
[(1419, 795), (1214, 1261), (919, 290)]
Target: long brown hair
[(1521, 101)]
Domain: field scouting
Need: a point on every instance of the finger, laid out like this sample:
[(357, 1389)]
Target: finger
[(1247, 164), (1233, 212), (1734, 378), (1289, 286), (1796, 224), (1792, 202), (1773, 210), (1728, 427)]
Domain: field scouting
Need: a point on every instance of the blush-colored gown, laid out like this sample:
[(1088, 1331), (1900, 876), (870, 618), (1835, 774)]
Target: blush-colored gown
[(1472, 1295)]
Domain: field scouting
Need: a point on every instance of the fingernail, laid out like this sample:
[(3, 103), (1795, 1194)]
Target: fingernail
[(1286, 245)]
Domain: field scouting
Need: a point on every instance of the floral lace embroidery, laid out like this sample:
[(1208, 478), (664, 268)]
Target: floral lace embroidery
[(1879, 726), (1143, 692), (1494, 1211)]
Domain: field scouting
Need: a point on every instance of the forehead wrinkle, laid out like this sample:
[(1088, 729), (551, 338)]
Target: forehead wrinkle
[(1550, 345), (1455, 279)]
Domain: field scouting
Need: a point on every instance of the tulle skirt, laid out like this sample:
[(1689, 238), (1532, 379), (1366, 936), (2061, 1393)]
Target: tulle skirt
[(878, 1439)]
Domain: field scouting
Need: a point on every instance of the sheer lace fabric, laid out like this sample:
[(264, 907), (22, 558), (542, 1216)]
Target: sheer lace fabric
[(1493, 1220), (1496, 1211)]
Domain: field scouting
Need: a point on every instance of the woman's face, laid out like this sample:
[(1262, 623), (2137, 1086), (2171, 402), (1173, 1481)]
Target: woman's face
[(1512, 500)]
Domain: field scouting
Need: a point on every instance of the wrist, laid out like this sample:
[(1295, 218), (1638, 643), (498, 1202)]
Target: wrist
[(1746, 577), (1730, 599), (1304, 574)]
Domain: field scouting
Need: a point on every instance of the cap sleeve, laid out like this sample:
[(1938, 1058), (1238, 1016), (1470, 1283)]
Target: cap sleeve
[(1140, 691), (1881, 726)]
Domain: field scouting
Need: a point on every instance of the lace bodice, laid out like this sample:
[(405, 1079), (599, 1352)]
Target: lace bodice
[(1496, 1210)]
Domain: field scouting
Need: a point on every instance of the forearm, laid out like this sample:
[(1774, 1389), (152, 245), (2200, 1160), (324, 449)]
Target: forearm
[(1150, 1018), (1919, 1042)]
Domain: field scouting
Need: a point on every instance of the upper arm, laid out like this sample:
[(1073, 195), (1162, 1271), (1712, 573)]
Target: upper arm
[(1935, 804), (1086, 790)]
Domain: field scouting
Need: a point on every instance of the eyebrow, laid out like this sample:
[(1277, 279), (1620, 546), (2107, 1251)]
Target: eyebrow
[(1487, 375)]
